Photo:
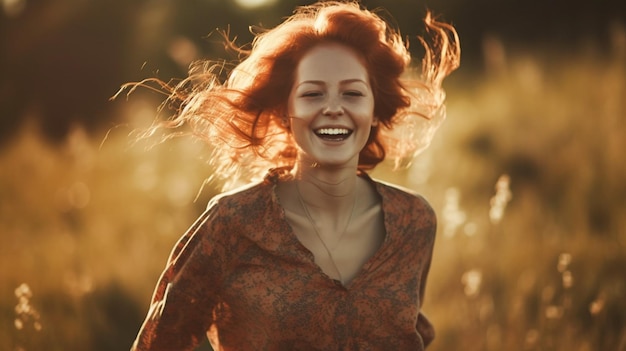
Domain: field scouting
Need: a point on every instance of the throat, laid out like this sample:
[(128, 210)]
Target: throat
[(329, 239)]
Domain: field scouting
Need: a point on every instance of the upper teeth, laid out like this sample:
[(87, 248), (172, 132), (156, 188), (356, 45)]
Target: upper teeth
[(333, 131)]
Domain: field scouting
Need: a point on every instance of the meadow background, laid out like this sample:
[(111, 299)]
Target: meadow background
[(527, 176)]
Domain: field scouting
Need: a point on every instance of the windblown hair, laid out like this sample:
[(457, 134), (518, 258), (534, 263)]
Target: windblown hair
[(241, 117)]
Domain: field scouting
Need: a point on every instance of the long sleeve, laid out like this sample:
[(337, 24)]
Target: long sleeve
[(187, 291), (424, 327)]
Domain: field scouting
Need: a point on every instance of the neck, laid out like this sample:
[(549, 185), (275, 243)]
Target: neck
[(328, 189)]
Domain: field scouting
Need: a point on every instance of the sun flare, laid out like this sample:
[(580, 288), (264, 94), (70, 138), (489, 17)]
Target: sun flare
[(253, 4)]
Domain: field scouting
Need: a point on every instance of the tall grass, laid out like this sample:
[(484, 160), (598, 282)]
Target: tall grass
[(549, 274), (86, 225)]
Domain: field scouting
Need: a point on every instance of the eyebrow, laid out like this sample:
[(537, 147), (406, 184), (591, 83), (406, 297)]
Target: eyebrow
[(345, 81)]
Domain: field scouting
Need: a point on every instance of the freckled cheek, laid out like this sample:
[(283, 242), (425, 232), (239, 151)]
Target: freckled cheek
[(364, 115), (359, 107), (303, 111)]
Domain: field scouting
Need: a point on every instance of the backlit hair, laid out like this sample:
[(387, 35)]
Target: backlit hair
[(241, 117)]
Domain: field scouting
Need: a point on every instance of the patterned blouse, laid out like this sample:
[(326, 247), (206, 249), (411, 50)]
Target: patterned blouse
[(241, 277)]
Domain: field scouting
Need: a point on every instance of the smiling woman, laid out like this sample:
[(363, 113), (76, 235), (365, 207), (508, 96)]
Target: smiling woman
[(317, 254), (331, 106)]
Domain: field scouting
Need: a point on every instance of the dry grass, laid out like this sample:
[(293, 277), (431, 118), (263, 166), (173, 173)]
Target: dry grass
[(87, 226)]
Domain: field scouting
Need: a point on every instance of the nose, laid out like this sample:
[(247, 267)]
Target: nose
[(333, 108)]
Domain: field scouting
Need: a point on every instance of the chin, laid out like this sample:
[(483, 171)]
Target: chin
[(336, 163)]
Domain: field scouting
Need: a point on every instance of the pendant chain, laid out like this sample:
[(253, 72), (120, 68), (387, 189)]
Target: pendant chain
[(317, 233)]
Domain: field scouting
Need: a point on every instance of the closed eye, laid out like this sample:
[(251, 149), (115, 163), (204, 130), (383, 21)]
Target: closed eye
[(353, 93), (311, 94)]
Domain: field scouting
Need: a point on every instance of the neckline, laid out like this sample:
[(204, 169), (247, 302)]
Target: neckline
[(329, 250), (277, 175)]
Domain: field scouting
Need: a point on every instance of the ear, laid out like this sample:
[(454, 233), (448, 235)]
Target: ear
[(375, 122), (284, 121)]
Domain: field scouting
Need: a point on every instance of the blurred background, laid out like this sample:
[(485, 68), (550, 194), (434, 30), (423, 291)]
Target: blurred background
[(527, 173)]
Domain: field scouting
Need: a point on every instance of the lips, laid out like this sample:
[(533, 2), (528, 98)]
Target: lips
[(333, 134)]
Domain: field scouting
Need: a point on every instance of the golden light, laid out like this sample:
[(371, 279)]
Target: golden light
[(13, 8), (253, 4)]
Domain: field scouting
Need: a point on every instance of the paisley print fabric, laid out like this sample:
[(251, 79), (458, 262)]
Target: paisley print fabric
[(240, 277)]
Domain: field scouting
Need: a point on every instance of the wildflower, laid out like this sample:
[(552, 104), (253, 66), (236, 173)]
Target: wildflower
[(500, 199), (554, 312), (452, 215), (563, 267), (568, 279), (597, 305), (25, 313), (564, 261), (472, 280)]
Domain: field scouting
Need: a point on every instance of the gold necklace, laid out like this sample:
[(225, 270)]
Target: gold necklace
[(317, 233)]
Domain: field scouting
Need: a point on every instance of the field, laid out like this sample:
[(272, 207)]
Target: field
[(527, 177)]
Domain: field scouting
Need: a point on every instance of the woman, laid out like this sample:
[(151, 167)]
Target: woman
[(317, 256)]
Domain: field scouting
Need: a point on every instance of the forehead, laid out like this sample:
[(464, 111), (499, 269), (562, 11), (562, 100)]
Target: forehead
[(331, 62)]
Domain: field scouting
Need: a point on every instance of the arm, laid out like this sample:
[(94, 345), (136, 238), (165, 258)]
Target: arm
[(424, 327), (186, 293)]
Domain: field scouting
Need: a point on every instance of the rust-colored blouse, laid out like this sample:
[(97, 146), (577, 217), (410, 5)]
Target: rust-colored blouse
[(240, 276)]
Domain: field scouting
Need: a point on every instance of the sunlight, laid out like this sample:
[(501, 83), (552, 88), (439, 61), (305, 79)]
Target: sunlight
[(252, 4), (13, 8)]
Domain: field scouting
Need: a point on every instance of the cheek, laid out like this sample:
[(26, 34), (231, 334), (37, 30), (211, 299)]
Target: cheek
[(365, 113), (299, 127), (293, 107), (364, 106), (302, 109)]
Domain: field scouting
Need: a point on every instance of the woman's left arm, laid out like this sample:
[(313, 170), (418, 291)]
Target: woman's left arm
[(424, 327)]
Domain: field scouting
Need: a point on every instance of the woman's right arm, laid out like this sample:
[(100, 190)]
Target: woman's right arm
[(187, 291)]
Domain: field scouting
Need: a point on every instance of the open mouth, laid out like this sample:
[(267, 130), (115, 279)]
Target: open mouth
[(333, 134)]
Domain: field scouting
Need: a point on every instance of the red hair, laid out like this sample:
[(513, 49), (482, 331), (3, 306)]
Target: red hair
[(241, 117)]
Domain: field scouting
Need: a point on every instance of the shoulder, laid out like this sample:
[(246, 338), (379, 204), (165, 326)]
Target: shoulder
[(248, 195), (406, 209), (402, 197), (244, 204), (222, 212), (411, 219), (252, 195)]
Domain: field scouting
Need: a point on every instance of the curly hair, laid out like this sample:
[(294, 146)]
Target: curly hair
[(241, 117)]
